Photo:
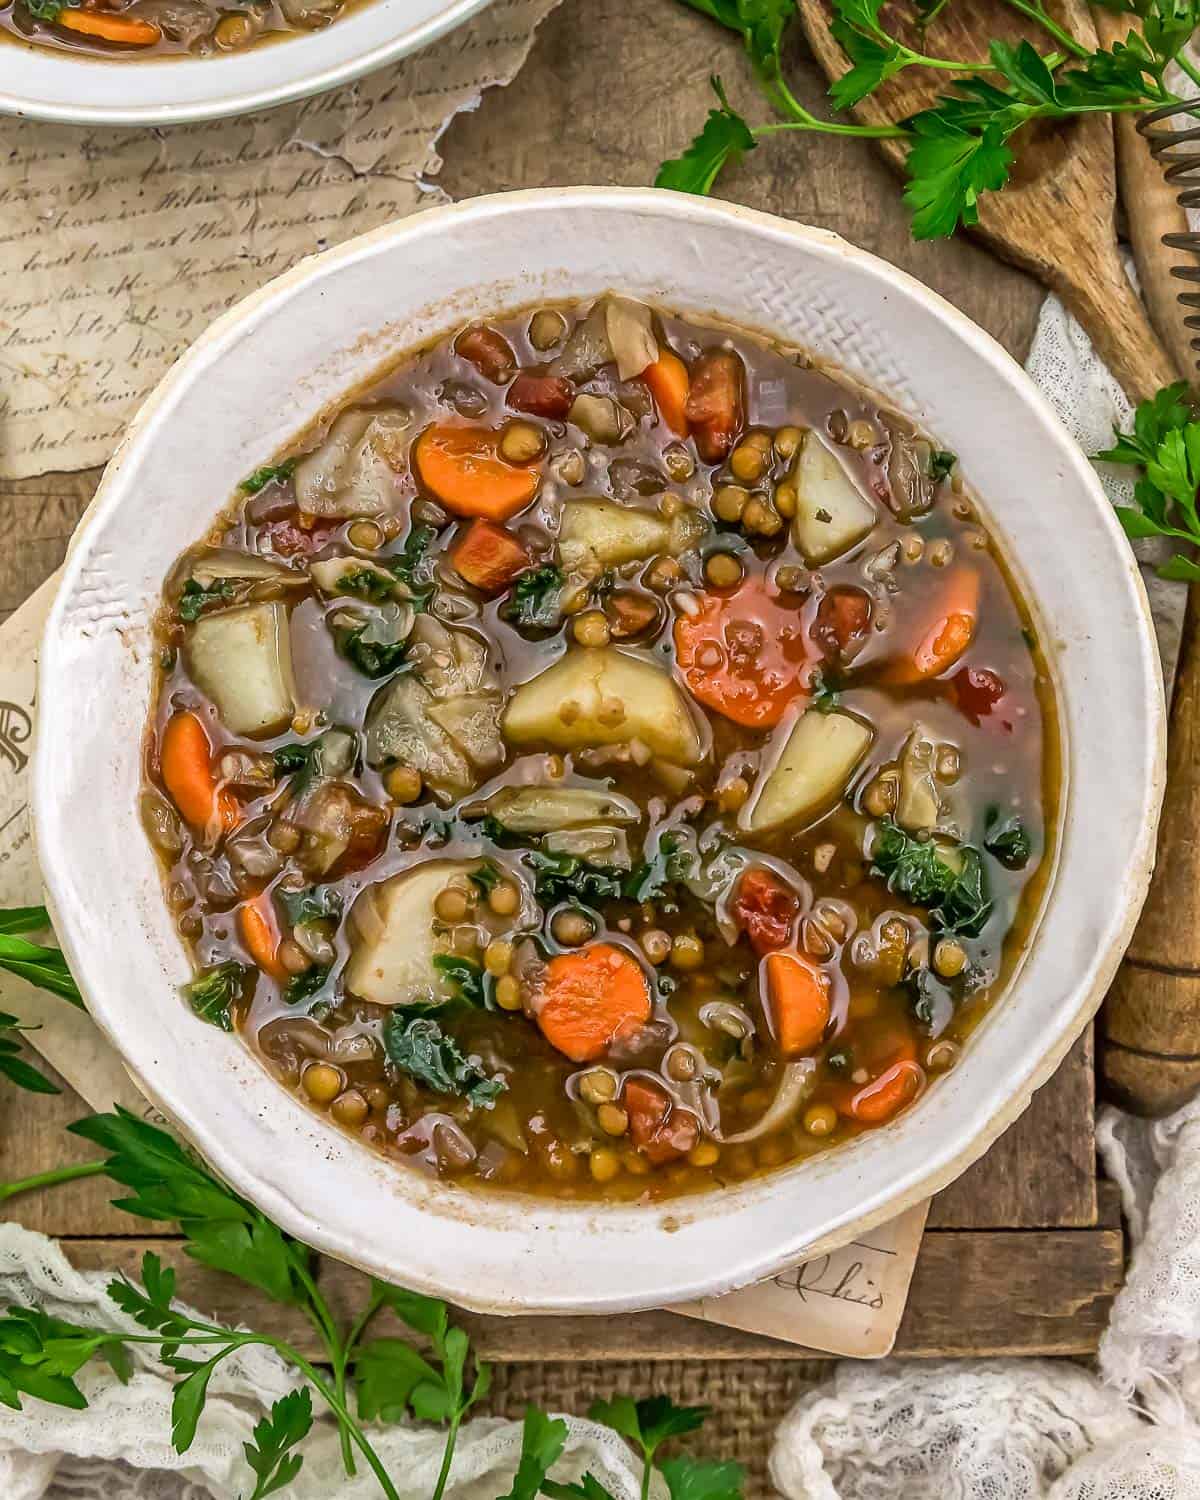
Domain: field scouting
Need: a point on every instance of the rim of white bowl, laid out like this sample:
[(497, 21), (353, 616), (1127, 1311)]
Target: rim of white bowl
[(1000, 1096), (189, 90)]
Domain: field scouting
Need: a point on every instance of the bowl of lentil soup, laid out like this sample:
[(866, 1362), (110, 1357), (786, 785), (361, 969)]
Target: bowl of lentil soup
[(610, 755), (165, 62)]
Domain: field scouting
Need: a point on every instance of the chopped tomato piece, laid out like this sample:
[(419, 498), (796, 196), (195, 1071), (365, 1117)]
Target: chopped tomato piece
[(591, 998), (716, 403), (488, 556), (489, 351), (797, 1002), (541, 396), (290, 540), (766, 909), (977, 690), (745, 653), (843, 622), (462, 467), (660, 1129)]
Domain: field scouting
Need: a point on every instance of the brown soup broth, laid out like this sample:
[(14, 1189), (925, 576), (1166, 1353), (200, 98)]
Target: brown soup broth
[(715, 942)]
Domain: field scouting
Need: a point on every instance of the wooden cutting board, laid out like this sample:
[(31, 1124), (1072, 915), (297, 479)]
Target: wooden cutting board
[(1057, 218)]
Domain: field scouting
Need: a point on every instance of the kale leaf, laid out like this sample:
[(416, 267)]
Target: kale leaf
[(534, 600), (268, 474), (1008, 839), (195, 599), (914, 870), (215, 991), (416, 1045)]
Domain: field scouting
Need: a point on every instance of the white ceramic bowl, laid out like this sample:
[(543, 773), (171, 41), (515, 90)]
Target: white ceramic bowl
[(274, 362), (50, 83)]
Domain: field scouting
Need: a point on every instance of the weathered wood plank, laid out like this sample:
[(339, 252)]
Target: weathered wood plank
[(985, 1293)]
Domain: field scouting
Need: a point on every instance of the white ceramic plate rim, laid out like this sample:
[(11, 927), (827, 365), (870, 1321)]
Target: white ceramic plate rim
[(999, 1094), (52, 84)]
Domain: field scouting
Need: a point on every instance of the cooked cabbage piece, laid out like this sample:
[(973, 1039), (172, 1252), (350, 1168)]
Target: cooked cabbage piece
[(353, 472), (242, 659), (541, 809), (442, 718), (832, 515), (602, 696), (352, 575), (819, 757), (604, 533)]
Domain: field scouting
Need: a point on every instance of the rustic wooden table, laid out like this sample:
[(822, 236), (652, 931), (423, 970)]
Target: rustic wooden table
[(1024, 1252)]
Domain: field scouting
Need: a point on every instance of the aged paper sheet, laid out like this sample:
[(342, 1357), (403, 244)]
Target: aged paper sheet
[(118, 247), (849, 1302)]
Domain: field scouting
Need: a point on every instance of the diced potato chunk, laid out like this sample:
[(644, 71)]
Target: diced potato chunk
[(353, 472), (601, 696), (819, 757), (831, 514), (605, 533), (392, 938), (242, 658)]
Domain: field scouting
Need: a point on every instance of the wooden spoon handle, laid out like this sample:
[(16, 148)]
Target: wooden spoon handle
[(1150, 1051), (1115, 320)]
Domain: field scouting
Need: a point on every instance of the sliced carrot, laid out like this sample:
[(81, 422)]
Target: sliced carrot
[(668, 381), (260, 933), (745, 653), (462, 467), (658, 1127), (797, 1002), (944, 637), (590, 998), (186, 760), (886, 1095), (488, 556), (126, 31)]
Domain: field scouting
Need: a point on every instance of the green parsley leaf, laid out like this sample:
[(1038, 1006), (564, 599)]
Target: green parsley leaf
[(874, 63), (45, 967), (45, 10), (215, 991), (543, 1439), (588, 1488), (724, 138), (533, 603), (410, 567), (268, 474), (222, 1230), (761, 24), (269, 1454), (195, 600), (366, 583), (13, 1066), (396, 1377), (703, 1479), (941, 464), (40, 1355), (948, 168), (417, 1046), (485, 877), (650, 1422)]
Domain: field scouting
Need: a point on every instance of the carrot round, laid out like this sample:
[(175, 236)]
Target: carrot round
[(944, 637), (126, 31), (590, 998), (259, 933), (186, 760), (462, 467), (668, 382), (797, 1001)]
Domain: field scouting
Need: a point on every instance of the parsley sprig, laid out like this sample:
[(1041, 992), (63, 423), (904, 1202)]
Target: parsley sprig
[(961, 147), (1165, 446)]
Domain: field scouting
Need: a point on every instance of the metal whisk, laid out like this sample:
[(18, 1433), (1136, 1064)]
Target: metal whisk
[(1177, 150)]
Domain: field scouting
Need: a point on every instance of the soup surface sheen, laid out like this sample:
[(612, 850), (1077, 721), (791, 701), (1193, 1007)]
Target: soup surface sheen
[(611, 762)]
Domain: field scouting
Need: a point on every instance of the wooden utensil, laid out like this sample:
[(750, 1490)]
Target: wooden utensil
[(1150, 1044), (1057, 217)]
